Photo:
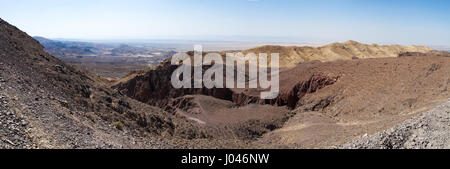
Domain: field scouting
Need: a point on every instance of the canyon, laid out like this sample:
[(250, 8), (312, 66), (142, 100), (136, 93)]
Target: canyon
[(332, 96)]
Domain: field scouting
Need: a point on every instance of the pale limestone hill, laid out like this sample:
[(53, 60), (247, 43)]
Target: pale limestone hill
[(291, 55)]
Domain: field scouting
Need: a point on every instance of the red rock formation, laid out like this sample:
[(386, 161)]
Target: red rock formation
[(155, 88)]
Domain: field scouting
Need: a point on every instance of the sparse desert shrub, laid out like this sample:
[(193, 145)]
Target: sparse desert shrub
[(118, 125)]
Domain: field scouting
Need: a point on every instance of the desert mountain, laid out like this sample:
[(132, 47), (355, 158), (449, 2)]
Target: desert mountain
[(46, 103), (291, 55), (68, 49), (108, 59), (323, 103)]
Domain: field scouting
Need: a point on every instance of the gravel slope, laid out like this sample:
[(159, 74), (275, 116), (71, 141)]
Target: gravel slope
[(429, 130)]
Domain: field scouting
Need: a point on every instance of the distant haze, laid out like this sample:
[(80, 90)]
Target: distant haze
[(208, 45), (404, 22)]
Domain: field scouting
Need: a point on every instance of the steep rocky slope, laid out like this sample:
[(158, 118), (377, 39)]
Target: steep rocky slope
[(48, 104), (429, 130), (369, 95)]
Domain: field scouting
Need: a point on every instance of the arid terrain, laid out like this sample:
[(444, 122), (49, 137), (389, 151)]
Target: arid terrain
[(342, 95), (110, 60), (49, 104), (326, 103)]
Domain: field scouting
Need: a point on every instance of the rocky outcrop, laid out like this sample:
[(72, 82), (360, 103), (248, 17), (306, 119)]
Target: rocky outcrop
[(154, 87), (289, 97)]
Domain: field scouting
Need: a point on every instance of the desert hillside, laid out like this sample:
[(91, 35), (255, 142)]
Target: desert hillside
[(291, 55), (364, 96), (323, 104), (46, 103)]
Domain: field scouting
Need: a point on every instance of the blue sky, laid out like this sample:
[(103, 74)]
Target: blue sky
[(425, 22)]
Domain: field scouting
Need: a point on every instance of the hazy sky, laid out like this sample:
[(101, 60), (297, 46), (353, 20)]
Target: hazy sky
[(424, 22)]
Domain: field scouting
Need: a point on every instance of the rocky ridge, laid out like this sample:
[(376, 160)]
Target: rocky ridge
[(291, 55)]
